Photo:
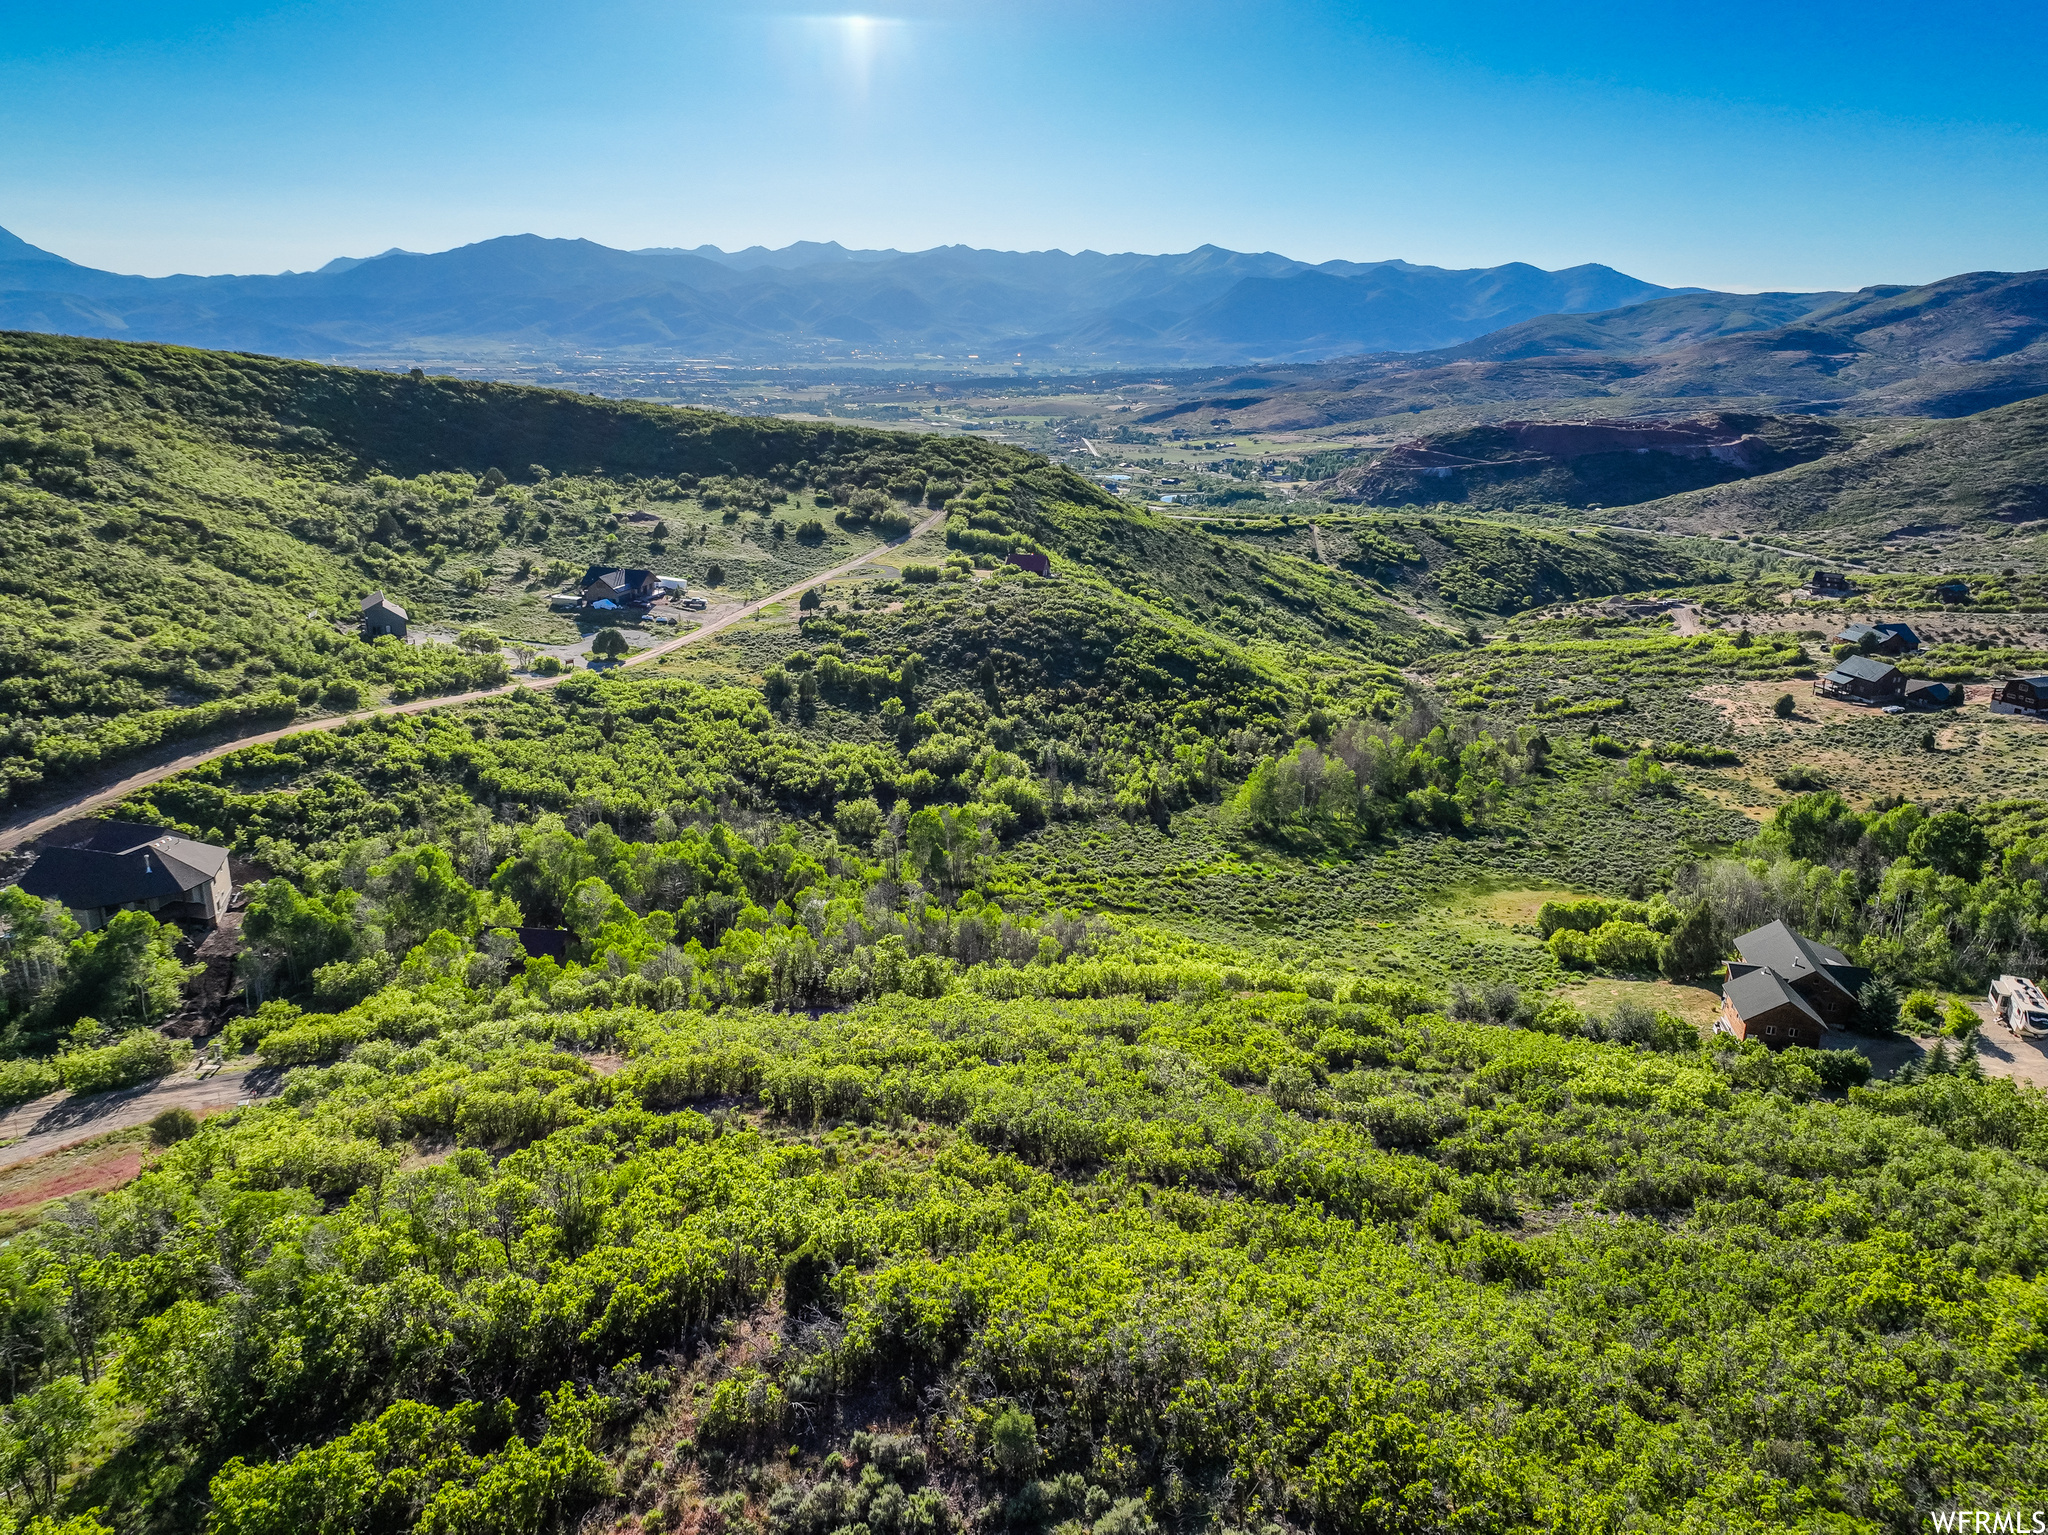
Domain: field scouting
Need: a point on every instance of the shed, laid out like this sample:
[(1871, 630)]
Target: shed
[(1863, 679), (1830, 583), (115, 866), (1953, 591), (382, 616), (541, 942), (1026, 559), (1929, 694)]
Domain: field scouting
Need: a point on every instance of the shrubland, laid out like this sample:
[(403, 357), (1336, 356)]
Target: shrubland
[(1003, 1073)]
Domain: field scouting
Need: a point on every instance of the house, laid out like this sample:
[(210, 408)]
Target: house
[(382, 616), (114, 866), (1760, 1004), (1830, 583), (1880, 639), (2021, 695), (1953, 591), (1863, 679), (541, 942), (608, 583), (1025, 559), (1930, 695), (1821, 976)]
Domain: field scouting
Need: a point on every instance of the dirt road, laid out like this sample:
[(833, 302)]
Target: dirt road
[(50, 1123), (25, 827)]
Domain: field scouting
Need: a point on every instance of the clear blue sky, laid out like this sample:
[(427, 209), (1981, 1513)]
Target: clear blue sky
[(1738, 146)]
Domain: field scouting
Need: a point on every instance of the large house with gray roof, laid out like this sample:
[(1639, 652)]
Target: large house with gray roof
[(113, 866), (1863, 679), (1787, 989)]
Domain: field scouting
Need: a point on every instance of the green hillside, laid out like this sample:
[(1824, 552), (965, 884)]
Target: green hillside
[(1187, 1047), (188, 534), (1470, 566), (1967, 492)]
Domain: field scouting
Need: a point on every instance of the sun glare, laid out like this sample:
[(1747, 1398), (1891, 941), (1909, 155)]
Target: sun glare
[(860, 42)]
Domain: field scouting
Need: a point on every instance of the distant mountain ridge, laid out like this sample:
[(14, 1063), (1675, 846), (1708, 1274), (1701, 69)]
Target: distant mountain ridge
[(810, 300), (1955, 347)]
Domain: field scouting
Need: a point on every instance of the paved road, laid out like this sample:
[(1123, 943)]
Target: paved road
[(25, 827), (60, 1120)]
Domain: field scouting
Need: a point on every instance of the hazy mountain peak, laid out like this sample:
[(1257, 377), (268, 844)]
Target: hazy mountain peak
[(14, 248)]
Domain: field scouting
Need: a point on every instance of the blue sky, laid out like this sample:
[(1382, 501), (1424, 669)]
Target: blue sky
[(1735, 146)]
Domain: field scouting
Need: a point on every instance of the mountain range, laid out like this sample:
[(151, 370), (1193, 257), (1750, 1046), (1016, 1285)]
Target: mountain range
[(1950, 348), (522, 294)]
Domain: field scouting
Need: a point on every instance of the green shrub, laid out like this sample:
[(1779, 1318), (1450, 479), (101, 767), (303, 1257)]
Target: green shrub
[(317, 1039), (23, 1079), (172, 1125), (142, 1057), (921, 574)]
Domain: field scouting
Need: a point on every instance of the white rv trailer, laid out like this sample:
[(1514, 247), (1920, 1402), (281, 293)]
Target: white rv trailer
[(2017, 1003)]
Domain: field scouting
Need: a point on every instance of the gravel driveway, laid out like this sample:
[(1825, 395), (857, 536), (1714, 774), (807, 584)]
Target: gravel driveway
[(58, 1120)]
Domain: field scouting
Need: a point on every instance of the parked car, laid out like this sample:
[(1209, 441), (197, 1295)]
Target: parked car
[(695, 604), (1894, 708)]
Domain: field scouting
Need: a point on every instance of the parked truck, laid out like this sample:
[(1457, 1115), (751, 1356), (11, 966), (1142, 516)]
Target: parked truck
[(2017, 1003)]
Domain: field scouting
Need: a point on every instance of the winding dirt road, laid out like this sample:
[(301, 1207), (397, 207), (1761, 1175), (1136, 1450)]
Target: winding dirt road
[(30, 824)]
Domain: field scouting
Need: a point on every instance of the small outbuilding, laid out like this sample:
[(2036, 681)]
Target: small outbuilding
[(1929, 694), (1953, 591), (382, 616), (1027, 559), (1830, 583), (115, 866), (1863, 679)]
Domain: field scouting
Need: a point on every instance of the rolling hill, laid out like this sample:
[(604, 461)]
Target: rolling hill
[(1949, 348), (1973, 490), (1582, 463)]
